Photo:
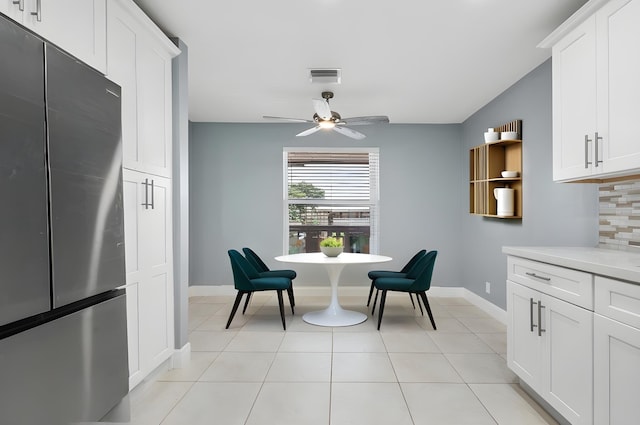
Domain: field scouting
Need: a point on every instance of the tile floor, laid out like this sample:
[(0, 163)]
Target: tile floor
[(255, 373)]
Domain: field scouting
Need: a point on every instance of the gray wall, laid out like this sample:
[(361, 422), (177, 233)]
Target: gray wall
[(236, 190), (554, 214), (236, 195)]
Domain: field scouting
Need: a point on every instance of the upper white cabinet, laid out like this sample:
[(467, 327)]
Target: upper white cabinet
[(139, 60), (595, 90), (76, 26)]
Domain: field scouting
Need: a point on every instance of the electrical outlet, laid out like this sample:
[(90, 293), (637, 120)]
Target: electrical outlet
[(487, 287)]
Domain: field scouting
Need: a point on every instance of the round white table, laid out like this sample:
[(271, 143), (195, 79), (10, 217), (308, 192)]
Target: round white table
[(334, 314)]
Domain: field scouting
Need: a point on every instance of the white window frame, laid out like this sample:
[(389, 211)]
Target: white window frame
[(373, 203)]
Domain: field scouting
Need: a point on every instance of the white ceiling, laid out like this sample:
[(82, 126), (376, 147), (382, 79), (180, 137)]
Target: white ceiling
[(417, 61)]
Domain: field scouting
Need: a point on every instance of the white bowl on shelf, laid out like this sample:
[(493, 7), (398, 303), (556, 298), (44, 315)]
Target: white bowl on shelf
[(509, 135), (509, 174), (491, 136)]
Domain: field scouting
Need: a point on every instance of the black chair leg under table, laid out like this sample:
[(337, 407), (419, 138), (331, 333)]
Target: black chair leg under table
[(281, 304), (292, 301), (370, 293), (246, 303), (236, 303), (419, 305), (423, 295), (375, 301), (383, 298)]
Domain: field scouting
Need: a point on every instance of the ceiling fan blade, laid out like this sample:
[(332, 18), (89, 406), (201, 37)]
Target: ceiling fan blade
[(286, 119), (373, 119), (322, 108), (349, 132), (309, 131)]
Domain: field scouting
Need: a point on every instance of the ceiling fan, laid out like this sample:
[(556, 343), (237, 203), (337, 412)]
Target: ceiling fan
[(328, 119)]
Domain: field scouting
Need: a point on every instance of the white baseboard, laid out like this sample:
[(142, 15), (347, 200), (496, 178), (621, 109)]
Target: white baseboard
[(487, 306), (435, 291), (181, 357)]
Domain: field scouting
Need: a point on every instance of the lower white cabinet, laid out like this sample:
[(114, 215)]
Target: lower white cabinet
[(616, 352), (616, 372), (549, 346), (148, 246)]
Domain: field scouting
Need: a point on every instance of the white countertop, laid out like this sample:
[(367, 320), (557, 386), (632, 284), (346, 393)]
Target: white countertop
[(606, 262)]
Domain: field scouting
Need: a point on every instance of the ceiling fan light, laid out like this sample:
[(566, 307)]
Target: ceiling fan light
[(327, 124)]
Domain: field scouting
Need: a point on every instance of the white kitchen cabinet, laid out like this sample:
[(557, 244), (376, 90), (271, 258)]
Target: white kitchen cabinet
[(616, 354), (524, 346), (549, 346), (139, 60), (148, 243), (76, 26), (616, 372), (595, 90)]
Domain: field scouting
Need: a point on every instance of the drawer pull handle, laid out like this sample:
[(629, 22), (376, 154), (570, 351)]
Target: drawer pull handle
[(540, 307), (531, 304), (538, 277)]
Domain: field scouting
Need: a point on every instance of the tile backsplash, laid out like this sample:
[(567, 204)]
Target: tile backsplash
[(620, 215)]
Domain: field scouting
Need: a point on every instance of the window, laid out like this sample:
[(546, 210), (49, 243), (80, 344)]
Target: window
[(331, 192)]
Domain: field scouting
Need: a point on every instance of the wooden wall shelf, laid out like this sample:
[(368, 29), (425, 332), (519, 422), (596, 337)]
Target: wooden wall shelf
[(486, 163)]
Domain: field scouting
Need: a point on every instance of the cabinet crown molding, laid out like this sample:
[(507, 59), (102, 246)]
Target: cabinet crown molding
[(572, 22), (144, 20)]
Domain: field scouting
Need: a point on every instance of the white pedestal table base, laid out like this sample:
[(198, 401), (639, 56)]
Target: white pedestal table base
[(334, 314)]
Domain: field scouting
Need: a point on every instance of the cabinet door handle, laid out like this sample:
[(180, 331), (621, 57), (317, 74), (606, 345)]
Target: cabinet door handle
[(145, 204), (531, 304), (20, 4), (540, 307), (538, 277), (153, 204), (597, 161), (586, 151), (38, 12)]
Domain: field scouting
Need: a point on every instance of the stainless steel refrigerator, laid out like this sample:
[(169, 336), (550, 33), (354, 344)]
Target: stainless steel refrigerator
[(63, 343)]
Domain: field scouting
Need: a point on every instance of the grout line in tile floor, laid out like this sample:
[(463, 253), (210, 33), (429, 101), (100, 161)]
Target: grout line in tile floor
[(404, 336)]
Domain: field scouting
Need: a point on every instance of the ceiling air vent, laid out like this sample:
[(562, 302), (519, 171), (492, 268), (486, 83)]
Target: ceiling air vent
[(324, 76)]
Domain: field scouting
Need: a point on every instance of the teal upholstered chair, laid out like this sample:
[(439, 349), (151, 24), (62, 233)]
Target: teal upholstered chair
[(375, 274), (264, 271), (247, 280), (417, 281)]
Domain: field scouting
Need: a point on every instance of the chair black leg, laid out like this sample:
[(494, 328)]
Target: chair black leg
[(426, 304), (246, 303), (281, 303), (292, 301), (375, 300), (419, 305), (412, 303), (370, 293), (292, 298), (235, 306), (382, 301)]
